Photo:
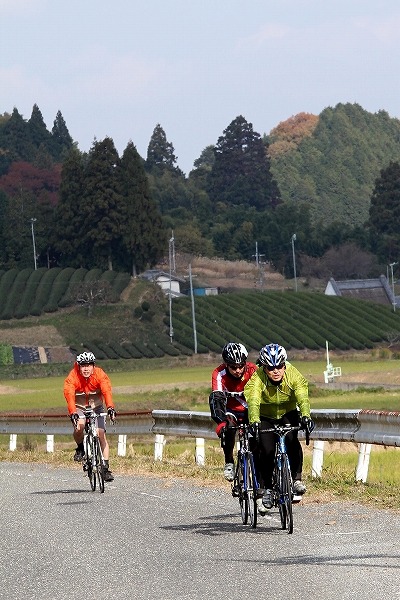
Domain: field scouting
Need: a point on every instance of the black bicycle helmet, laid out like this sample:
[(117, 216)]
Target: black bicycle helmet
[(234, 354), (272, 355), (85, 357)]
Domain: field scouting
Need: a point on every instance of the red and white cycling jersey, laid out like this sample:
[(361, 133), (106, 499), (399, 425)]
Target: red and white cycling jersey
[(222, 380)]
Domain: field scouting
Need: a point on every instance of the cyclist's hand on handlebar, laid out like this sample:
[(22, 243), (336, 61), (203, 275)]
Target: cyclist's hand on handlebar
[(231, 419), (220, 428), (307, 424), (255, 431), (74, 418), (112, 414)]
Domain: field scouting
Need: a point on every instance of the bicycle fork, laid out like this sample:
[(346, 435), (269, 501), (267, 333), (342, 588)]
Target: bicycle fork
[(248, 464)]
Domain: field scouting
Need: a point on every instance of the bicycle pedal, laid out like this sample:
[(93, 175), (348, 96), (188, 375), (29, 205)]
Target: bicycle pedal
[(235, 492), (296, 499)]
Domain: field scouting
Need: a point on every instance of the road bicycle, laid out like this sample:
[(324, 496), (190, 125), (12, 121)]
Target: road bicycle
[(282, 484), (93, 462), (245, 484)]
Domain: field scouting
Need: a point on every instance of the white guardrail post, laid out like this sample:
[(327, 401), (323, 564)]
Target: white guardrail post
[(13, 442), (50, 443), (121, 445), (363, 462), (159, 446), (200, 452), (318, 458)]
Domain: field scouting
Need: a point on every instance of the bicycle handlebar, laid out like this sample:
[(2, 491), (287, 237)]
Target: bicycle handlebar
[(91, 413), (285, 429)]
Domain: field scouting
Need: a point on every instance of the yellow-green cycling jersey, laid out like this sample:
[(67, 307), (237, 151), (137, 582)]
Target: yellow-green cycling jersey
[(265, 399)]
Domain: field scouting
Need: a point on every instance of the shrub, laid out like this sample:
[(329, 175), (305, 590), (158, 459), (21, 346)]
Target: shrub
[(43, 290), (58, 289), (77, 276), (6, 354)]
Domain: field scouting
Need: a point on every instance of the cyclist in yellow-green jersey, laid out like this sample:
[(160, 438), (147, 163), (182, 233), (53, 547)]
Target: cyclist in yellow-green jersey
[(278, 393)]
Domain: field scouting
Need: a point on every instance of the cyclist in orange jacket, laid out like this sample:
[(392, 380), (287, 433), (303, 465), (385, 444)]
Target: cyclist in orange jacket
[(88, 385)]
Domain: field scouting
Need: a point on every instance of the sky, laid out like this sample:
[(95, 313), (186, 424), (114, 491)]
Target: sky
[(120, 68)]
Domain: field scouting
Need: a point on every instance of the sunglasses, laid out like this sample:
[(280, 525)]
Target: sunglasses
[(86, 364), (236, 367), (278, 367)]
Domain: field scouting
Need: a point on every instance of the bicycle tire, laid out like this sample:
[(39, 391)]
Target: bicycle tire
[(243, 499), (89, 453), (286, 495), (251, 491), (99, 464)]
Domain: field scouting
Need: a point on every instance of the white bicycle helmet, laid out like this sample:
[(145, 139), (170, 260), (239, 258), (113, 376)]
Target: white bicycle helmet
[(234, 354), (85, 357), (273, 355)]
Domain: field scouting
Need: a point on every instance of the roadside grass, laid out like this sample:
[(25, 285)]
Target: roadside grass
[(44, 396), (337, 483)]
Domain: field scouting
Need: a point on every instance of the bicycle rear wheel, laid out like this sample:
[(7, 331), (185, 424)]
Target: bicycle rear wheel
[(243, 499), (99, 465), (251, 491), (90, 452), (285, 499)]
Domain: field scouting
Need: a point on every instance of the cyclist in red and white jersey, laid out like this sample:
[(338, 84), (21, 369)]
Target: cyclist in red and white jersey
[(230, 376)]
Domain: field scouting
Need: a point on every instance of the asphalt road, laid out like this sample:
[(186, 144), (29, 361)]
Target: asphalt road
[(150, 538)]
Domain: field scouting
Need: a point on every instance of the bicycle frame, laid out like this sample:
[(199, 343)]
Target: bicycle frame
[(93, 463), (245, 483), (282, 486)]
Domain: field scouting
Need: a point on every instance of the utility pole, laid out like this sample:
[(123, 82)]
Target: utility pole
[(33, 242), (171, 329), (394, 298), (257, 255), (193, 312), (172, 240), (294, 261)]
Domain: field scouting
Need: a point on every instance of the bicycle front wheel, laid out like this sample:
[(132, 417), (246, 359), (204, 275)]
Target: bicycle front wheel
[(90, 458), (251, 491), (285, 498), (243, 499), (99, 471)]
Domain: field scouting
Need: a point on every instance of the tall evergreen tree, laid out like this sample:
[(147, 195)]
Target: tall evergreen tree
[(15, 139), (38, 132), (62, 141), (102, 207), (69, 236), (160, 153), (241, 172), (384, 214), (144, 237)]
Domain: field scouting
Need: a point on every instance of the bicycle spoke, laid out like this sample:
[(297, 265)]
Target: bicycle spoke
[(287, 493), (99, 465), (243, 500), (251, 492), (89, 461)]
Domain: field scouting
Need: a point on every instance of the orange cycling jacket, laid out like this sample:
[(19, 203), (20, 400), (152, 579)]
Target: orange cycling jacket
[(75, 384)]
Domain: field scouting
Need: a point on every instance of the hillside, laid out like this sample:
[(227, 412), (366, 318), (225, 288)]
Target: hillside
[(331, 162), (138, 325)]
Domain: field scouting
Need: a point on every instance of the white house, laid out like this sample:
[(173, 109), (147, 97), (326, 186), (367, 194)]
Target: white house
[(374, 290), (168, 284)]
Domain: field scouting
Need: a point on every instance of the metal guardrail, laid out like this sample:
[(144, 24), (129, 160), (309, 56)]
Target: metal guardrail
[(364, 427), (351, 425), (134, 423)]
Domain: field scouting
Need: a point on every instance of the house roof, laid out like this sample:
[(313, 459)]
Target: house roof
[(375, 290), (154, 274)]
